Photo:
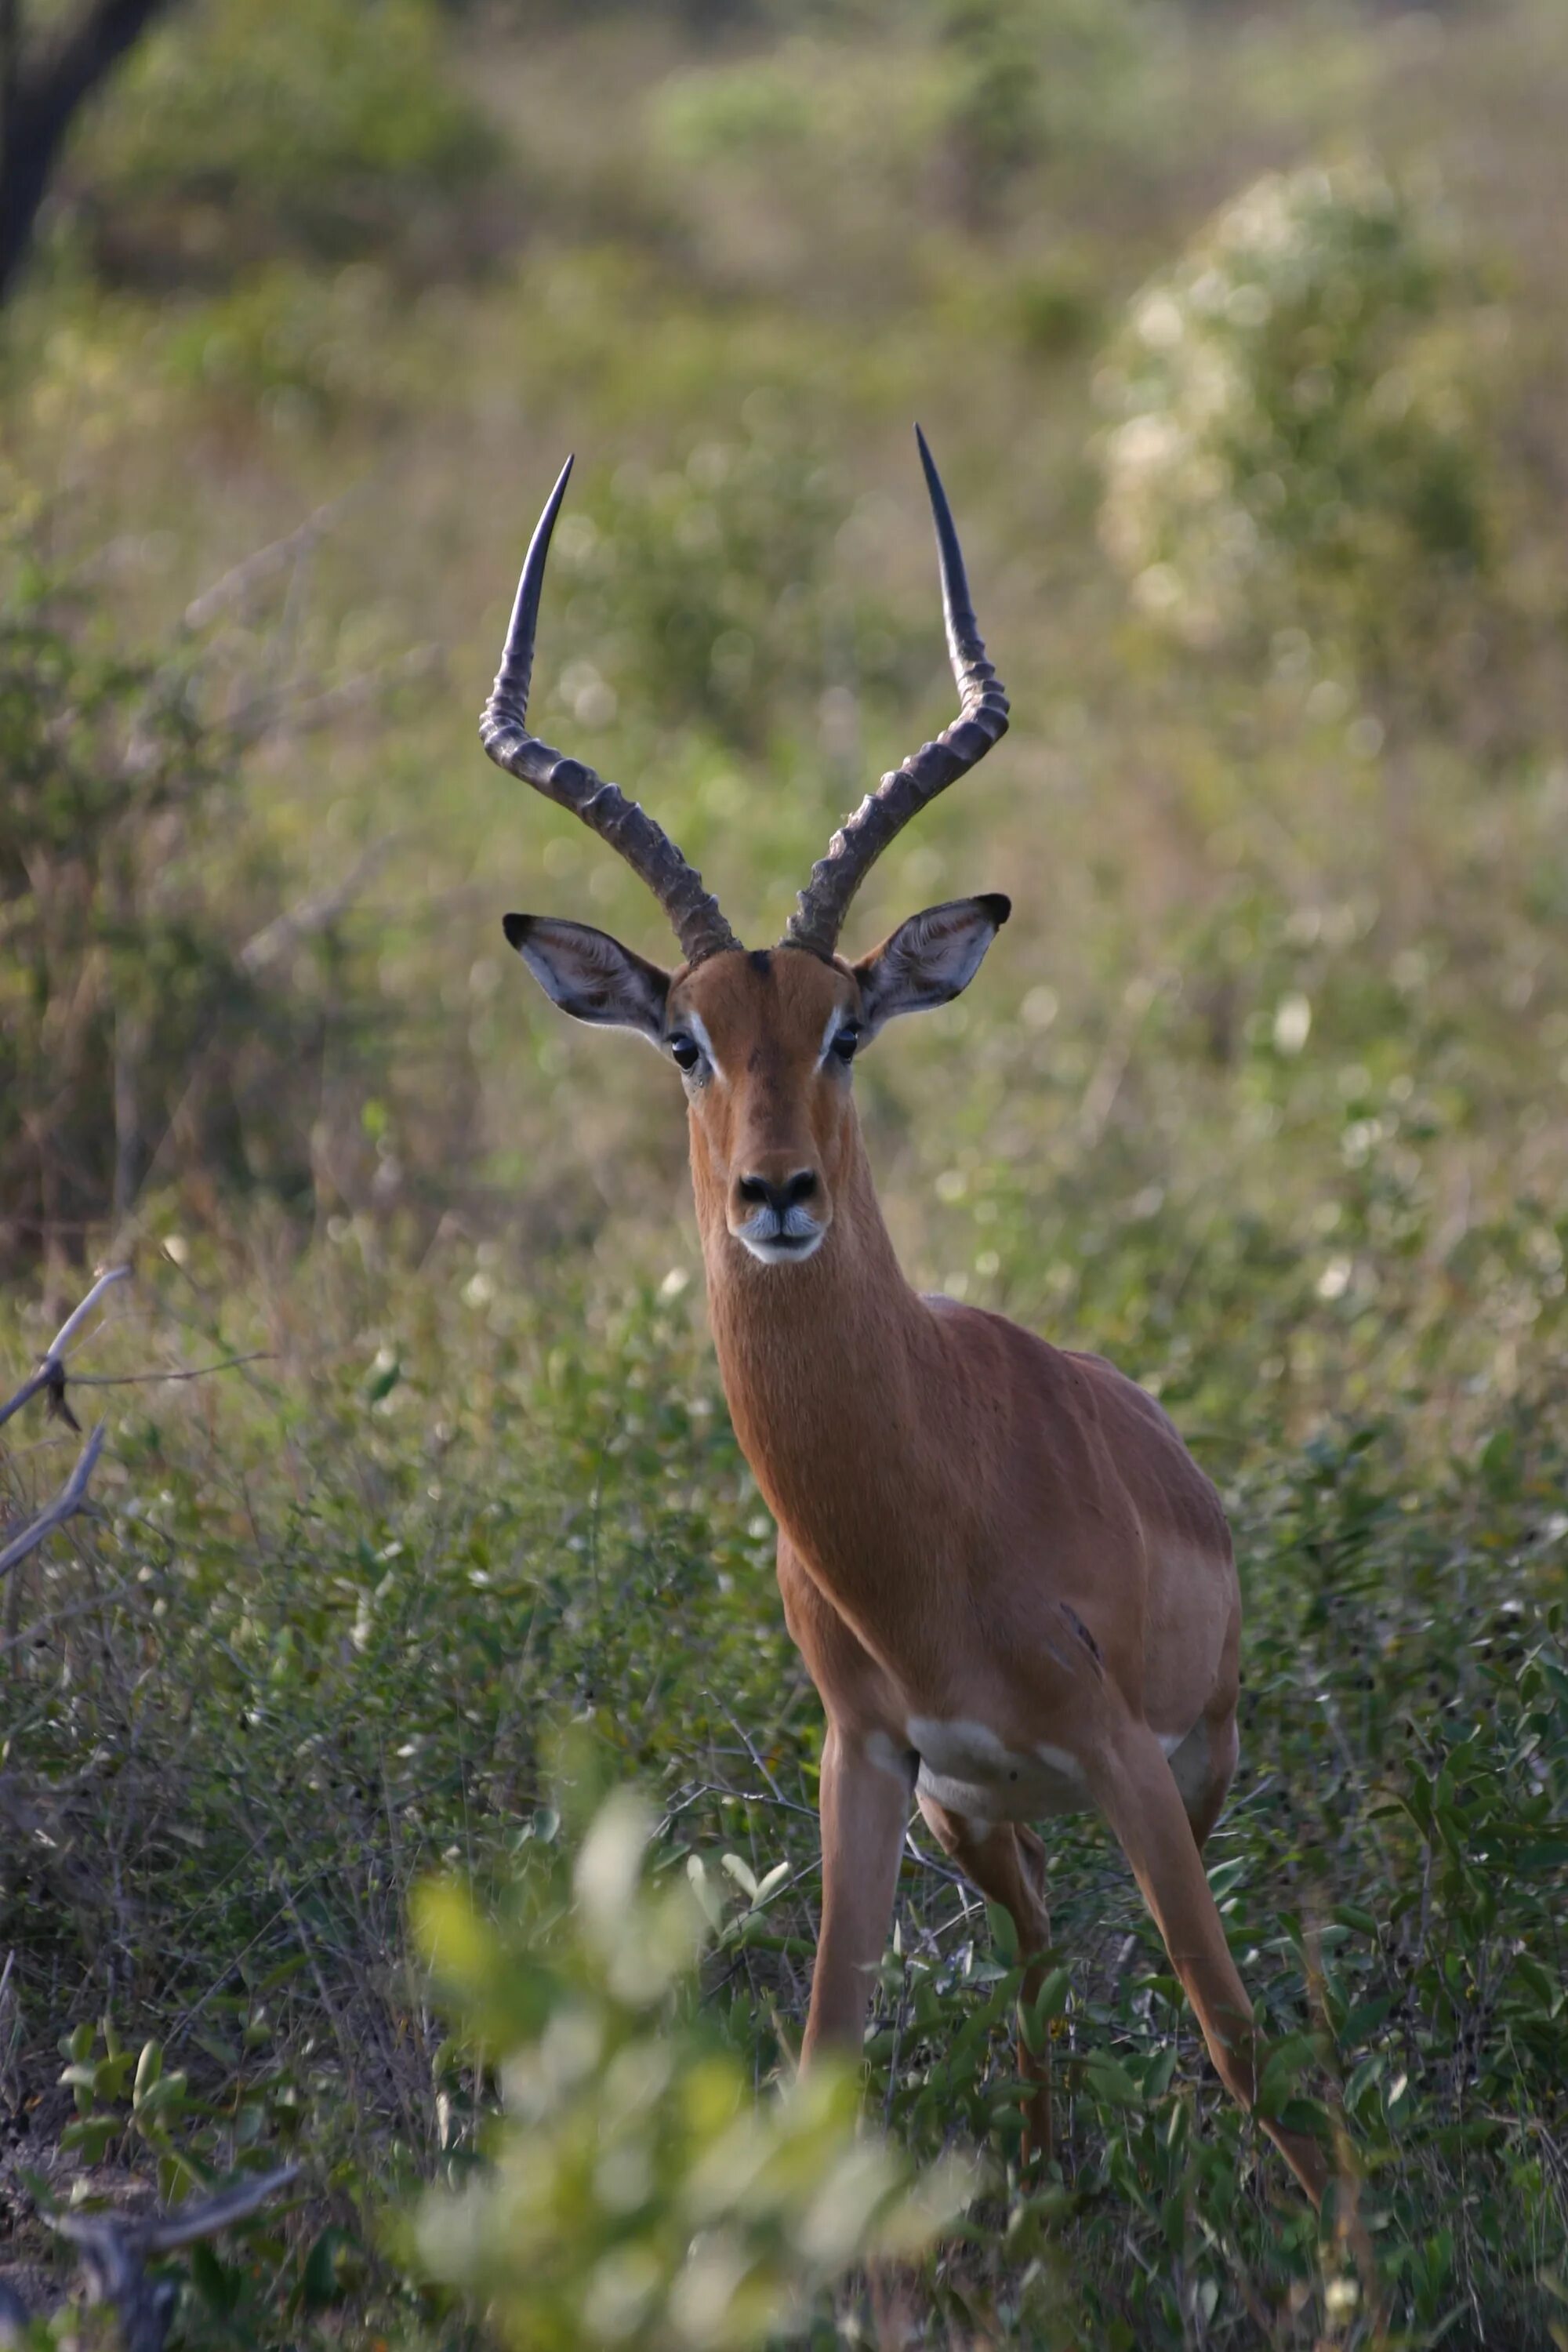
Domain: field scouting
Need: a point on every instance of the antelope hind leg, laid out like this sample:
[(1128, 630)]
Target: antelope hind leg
[(1008, 1866), (1133, 1785)]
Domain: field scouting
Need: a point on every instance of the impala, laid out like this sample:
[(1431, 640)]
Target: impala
[(1012, 1585)]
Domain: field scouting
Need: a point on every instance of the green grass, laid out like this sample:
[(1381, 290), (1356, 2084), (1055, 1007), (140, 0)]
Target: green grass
[(1259, 1094)]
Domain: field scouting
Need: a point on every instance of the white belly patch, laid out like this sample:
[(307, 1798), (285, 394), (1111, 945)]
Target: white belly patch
[(966, 1768)]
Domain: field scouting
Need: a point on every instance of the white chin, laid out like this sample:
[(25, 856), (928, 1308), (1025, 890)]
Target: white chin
[(784, 1252)]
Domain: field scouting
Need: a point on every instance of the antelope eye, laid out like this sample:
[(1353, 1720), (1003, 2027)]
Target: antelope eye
[(844, 1042), (684, 1051)]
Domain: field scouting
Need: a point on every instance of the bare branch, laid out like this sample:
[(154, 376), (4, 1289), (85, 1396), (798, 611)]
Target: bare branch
[(237, 583), (271, 713), (312, 915), (115, 2250), (66, 1505), (51, 1372), (193, 1372), (42, 1625), (235, 2203)]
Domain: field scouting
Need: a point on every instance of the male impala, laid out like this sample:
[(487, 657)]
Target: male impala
[(1012, 1585)]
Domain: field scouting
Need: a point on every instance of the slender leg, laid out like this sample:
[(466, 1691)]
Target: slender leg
[(1008, 1866), (865, 1811), (1135, 1790)]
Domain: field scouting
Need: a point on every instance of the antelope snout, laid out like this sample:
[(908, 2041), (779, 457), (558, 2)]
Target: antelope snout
[(779, 1213)]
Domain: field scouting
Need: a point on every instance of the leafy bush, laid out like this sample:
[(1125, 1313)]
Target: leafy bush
[(698, 591), (329, 126), (951, 115), (634, 2191), (1299, 438), (160, 1013)]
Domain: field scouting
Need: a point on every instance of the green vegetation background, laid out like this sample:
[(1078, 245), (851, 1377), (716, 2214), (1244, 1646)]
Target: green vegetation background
[(1260, 1092)]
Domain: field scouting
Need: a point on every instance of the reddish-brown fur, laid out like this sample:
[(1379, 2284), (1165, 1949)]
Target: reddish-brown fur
[(1013, 1585), (973, 1526)]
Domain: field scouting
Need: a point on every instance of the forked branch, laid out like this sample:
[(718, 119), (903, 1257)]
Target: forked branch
[(49, 1380), (115, 2249), (66, 1505), (51, 1372)]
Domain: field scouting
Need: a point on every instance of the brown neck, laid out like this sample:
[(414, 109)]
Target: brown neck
[(822, 1365)]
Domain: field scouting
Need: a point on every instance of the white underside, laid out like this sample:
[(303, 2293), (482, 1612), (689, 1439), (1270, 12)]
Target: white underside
[(965, 1767)]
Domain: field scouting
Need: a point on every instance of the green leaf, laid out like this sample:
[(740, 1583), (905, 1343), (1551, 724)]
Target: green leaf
[(319, 2282), (1004, 1934), (218, 2285), (149, 2067), (1109, 2082), (1284, 2064)]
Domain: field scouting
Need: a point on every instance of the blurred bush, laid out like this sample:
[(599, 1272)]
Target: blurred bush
[(1017, 79), (699, 591), (247, 127), (947, 112), (162, 1012), (634, 2191), (1300, 439)]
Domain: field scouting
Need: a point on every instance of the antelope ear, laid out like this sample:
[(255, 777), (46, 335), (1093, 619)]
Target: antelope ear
[(929, 959), (590, 975)]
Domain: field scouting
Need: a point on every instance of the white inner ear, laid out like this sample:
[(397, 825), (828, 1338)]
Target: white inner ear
[(592, 977), (941, 951), (929, 959)]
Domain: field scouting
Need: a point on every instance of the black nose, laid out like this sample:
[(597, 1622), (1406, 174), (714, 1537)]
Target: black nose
[(779, 1198)]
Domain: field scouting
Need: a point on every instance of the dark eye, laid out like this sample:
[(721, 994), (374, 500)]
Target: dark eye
[(846, 1041), (684, 1051)]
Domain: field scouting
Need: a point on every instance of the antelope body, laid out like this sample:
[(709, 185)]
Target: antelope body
[(1012, 1585)]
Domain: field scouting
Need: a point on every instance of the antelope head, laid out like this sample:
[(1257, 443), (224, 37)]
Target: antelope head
[(764, 1041)]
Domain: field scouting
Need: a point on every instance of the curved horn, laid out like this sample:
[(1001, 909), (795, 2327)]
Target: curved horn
[(982, 721), (603, 808)]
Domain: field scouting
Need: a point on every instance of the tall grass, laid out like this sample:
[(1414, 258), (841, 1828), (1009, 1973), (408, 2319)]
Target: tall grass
[(1260, 1094)]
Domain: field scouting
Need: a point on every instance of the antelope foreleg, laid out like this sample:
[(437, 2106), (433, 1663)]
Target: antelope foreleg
[(865, 1811), (1134, 1787)]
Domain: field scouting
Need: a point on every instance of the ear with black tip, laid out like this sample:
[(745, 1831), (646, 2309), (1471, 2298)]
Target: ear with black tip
[(590, 975), (929, 959)]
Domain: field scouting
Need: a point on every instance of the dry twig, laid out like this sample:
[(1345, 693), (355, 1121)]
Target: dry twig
[(115, 2249), (67, 1503), (51, 1372)]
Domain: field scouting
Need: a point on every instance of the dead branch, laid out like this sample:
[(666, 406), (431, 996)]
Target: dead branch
[(185, 1372), (114, 2250), (69, 1616), (51, 1372), (272, 714), (66, 1505), (237, 583), (314, 915)]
